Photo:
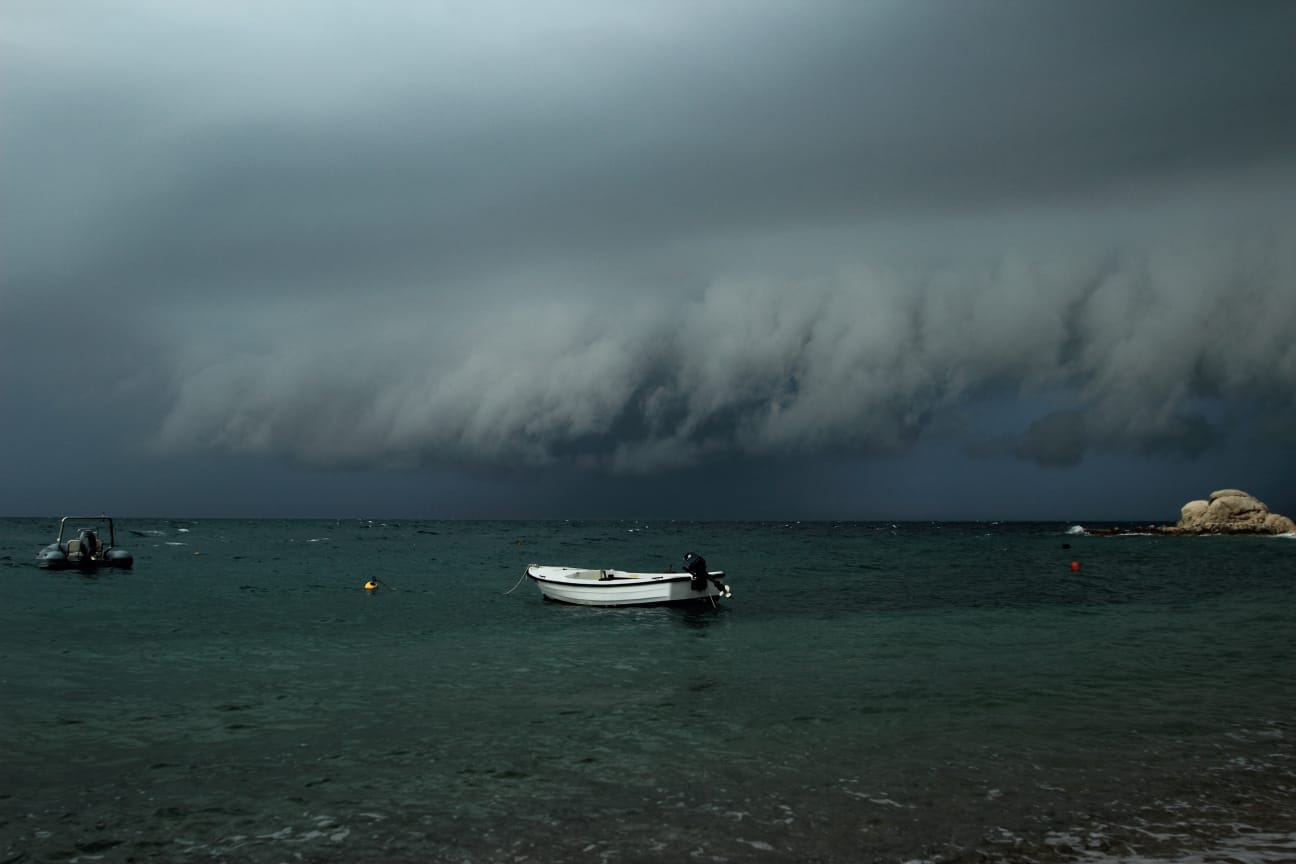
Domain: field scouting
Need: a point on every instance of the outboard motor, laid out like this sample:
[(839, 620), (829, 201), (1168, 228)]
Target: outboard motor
[(89, 544), (697, 567)]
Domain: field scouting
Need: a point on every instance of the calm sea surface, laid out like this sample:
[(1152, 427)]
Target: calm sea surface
[(872, 692)]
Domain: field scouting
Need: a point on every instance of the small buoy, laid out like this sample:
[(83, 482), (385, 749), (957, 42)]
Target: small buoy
[(1075, 565), (371, 585)]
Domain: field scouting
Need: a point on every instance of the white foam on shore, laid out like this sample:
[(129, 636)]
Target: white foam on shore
[(1076, 529), (1247, 847)]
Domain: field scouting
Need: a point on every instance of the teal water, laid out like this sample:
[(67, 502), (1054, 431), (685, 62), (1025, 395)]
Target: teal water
[(872, 692)]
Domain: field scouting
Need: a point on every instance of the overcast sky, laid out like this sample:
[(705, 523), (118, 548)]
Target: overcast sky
[(893, 259)]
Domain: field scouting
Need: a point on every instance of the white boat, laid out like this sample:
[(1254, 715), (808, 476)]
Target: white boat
[(586, 587)]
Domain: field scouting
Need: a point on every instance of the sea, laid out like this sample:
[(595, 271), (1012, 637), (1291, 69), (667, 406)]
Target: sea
[(872, 691)]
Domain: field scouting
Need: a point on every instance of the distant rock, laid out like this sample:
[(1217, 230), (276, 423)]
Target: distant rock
[(1229, 511)]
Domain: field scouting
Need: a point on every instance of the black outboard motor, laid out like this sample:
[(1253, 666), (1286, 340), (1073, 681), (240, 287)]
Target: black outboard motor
[(89, 544), (697, 567)]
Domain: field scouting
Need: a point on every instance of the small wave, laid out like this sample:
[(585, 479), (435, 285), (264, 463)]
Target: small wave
[(1247, 847), (1077, 529)]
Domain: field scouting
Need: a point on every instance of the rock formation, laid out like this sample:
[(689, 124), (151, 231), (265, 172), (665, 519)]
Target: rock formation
[(1229, 511)]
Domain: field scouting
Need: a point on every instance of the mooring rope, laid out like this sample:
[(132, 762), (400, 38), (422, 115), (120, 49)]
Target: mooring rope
[(519, 582)]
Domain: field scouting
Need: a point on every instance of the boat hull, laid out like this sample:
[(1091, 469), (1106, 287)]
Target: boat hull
[(54, 558), (584, 587)]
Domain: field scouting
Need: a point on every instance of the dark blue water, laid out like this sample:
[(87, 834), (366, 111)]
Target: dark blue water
[(870, 693)]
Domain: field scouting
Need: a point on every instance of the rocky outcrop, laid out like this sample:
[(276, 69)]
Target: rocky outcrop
[(1229, 511)]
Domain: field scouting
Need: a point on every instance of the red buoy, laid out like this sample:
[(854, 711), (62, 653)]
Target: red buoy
[(1075, 565)]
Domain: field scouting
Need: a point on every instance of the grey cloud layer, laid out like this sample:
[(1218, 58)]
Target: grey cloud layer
[(1135, 347), (636, 237), (170, 145)]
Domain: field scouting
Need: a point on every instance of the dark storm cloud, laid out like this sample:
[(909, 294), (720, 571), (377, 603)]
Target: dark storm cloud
[(856, 363), (348, 142), (636, 237)]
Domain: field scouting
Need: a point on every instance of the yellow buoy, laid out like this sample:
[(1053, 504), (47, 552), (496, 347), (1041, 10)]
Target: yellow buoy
[(371, 585)]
